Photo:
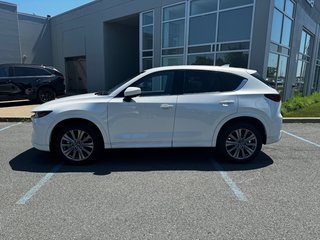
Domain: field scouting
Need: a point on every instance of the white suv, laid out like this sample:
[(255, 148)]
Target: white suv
[(178, 106)]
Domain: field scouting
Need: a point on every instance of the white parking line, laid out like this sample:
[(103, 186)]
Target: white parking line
[(233, 186), (300, 138), (24, 199), (2, 129)]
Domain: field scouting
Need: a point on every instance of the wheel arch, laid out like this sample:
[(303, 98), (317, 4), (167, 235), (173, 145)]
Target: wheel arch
[(72, 121), (47, 85), (246, 119)]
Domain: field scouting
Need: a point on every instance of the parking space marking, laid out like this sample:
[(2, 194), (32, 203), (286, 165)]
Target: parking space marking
[(5, 128), (233, 186), (24, 199), (300, 138)]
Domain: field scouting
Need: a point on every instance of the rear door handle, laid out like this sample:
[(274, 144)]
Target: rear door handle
[(226, 103), (166, 106)]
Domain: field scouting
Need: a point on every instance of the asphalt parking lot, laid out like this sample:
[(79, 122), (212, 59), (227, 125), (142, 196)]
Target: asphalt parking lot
[(161, 194)]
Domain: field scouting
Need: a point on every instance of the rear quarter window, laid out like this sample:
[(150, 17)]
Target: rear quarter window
[(229, 82), (54, 72), (258, 76), (199, 81)]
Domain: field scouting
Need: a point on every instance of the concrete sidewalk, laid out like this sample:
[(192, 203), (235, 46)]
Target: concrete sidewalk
[(20, 111), (16, 111)]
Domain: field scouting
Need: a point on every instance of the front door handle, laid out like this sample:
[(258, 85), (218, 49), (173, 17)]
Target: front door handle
[(226, 103), (166, 106)]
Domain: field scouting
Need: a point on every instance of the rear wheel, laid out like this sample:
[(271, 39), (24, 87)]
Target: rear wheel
[(78, 144), (240, 142), (46, 94)]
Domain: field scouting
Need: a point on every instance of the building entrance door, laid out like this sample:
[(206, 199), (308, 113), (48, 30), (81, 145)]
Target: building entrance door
[(76, 75)]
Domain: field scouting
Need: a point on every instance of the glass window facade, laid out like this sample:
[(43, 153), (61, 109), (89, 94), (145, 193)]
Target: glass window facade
[(231, 3), (303, 63), (235, 25), (173, 34), (196, 26), (227, 33), (280, 44), (316, 81), (203, 6), (146, 38)]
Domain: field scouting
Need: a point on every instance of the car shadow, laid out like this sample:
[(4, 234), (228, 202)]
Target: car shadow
[(138, 160)]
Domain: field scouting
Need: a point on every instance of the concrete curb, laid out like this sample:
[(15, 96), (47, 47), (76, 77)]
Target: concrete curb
[(301, 120), (15, 119), (285, 120)]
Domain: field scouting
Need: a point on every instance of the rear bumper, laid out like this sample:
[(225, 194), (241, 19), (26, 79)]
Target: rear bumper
[(274, 134)]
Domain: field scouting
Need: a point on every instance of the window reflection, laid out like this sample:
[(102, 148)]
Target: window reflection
[(197, 35), (235, 25), (280, 44), (286, 32), (279, 4), (146, 30), (233, 59), (276, 26), (203, 6), (303, 64), (201, 59)]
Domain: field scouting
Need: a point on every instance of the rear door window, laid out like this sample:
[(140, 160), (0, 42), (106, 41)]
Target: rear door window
[(200, 81), (28, 72)]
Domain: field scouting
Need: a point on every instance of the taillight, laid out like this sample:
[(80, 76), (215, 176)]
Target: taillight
[(61, 78), (273, 97)]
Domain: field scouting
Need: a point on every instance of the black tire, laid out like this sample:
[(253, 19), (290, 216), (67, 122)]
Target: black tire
[(240, 142), (45, 94), (78, 144)]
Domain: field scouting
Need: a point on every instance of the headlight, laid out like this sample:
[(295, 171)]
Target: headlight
[(40, 114)]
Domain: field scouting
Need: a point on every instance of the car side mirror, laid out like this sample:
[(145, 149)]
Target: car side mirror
[(131, 92)]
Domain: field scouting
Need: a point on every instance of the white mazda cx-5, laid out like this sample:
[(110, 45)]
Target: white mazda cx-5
[(177, 106)]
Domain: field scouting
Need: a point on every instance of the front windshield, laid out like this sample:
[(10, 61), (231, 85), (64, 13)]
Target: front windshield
[(111, 90)]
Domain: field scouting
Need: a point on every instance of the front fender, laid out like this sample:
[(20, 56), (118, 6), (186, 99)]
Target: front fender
[(77, 114)]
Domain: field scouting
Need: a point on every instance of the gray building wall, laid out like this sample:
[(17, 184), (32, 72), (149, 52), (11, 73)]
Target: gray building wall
[(105, 66), (9, 34), (106, 33), (35, 39), (24, 38)]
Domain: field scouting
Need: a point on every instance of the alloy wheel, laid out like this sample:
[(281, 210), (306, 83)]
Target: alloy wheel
[(77, 145), (241, 144)]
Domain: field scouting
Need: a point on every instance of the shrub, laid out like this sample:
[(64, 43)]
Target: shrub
[(297, 103)]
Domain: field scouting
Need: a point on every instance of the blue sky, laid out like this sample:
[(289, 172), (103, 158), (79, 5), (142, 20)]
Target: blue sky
[(47, 7)]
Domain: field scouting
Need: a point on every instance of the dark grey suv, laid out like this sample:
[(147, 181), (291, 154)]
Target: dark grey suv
[(35, 82)]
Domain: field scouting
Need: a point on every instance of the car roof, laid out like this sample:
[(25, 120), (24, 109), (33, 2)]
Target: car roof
[(203, 67), (23, 65)]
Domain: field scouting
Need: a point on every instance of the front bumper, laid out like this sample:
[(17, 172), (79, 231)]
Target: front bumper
[(40, 138)]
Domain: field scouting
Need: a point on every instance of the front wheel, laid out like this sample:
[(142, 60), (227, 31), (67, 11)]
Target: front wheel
[(78, 144), (46, 94), (240, 142)]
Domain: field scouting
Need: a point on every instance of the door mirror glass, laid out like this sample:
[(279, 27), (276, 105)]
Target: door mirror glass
[(132, 92)]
